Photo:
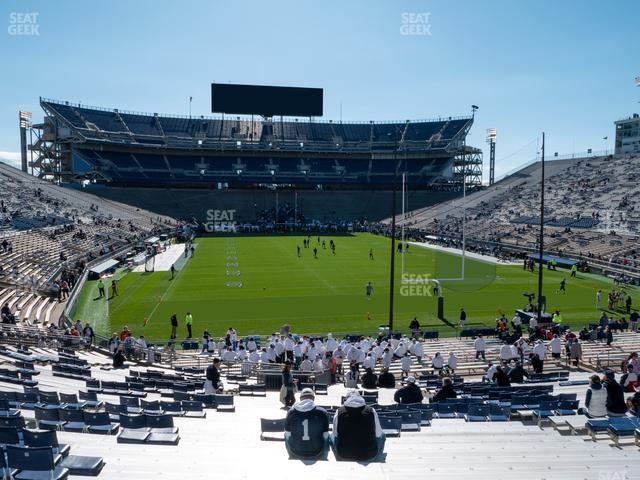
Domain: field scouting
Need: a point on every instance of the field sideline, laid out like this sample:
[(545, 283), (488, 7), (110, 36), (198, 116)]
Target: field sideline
[(326, 294)]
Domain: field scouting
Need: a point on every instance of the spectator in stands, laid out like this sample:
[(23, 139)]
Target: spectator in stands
[(418, 350), (386, 379), (88, 334), (517, 373), (505, 352), (410, 393), (306, 365), (174, 326), (633, 403), (119, 358), (188, 320), (306, 428), (555, 345), (479, 345), (452, 363), (630, 379), (357, 434), (369, 380), (7, 316), (609, 336), (124, 333), (540, 351), (616, 406), (596, 399), (114, 342), (129, 345), (64, 290), (287, 393), (501, 378), (212, 384), (438, 363), (405, 364), (352, 377), (447, 391), (331, 367), (228, 356), (575, 352), (491, 371)]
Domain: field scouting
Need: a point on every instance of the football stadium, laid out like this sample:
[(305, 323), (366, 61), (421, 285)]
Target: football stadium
[(259, 269)]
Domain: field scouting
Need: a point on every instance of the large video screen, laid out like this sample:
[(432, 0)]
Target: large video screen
[(266, 100)]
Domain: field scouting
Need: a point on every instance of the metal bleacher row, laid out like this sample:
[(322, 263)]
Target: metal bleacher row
[(149, 406)]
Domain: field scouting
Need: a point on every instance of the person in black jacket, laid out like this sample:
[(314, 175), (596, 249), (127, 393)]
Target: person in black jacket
[(501, 378), (369, 380), (445, 392), (517, 373), (357, 434), (213, 377), (386, 379), (174, 326), (408, 394), (616, 405), (119, 358)]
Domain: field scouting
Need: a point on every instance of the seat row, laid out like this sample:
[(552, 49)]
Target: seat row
[(31, 453)]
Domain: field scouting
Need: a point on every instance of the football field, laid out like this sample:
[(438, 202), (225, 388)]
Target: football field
[(258, 283)]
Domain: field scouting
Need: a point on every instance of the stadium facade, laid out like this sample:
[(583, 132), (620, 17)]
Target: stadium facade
[(628, 135), (244, 161)]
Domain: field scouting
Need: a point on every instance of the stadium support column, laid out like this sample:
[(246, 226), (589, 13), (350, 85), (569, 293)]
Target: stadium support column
[(541, 239)]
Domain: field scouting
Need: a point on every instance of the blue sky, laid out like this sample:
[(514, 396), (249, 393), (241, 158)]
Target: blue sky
[(566, 67)]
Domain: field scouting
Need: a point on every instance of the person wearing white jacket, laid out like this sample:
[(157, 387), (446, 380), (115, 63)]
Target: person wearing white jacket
[(596, 399), (479, 345), (418, 351), (452, 362), (540, 350), (555, 345), (405, 364), (438, 363)]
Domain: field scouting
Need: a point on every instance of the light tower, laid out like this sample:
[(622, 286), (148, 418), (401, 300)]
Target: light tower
[(491, 140), (25, 124)]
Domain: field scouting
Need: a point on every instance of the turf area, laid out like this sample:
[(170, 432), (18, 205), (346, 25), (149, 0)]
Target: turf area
[(326, 294)]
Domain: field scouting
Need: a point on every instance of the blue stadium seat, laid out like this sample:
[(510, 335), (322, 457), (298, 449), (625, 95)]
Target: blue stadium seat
[(224, 403), (32, 463), (391, 425), (99, 422), (73, 420), (272, 429), (478, 413)]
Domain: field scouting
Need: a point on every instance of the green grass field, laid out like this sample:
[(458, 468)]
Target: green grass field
[(326, 294)]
